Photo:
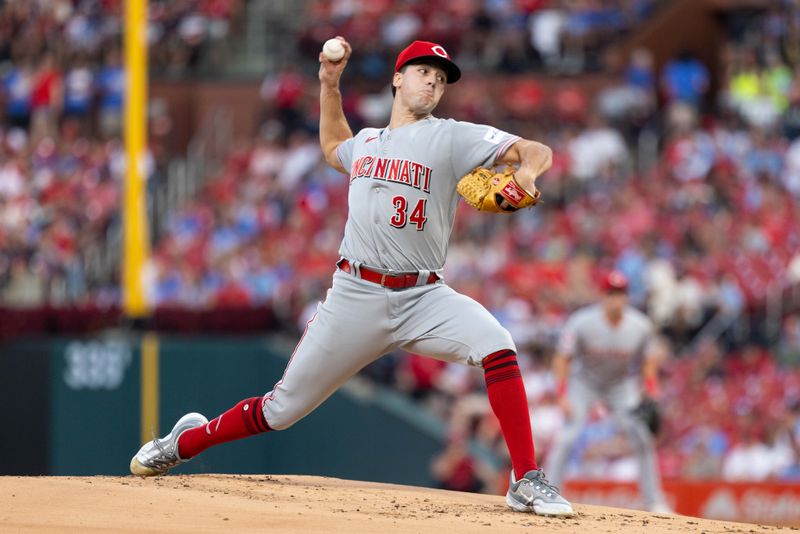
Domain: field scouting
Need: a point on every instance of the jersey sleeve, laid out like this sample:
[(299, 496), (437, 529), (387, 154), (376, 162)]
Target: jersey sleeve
[(652, 346), (478, 145), (345, 153), (568, 340)]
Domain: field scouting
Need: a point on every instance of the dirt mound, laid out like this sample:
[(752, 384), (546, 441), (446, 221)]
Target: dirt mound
[(259, 503)]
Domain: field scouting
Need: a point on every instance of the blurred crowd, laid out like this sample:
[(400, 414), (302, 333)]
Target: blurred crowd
[(692, 194), (61, 160), (511, 36), (56, 201), (181, 34)]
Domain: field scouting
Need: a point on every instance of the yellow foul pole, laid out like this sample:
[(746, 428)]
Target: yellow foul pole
[(136, 249), (135, 233), (149, 388)]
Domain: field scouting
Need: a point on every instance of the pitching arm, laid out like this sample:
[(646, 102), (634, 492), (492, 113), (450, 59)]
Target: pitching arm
[(333, 127)]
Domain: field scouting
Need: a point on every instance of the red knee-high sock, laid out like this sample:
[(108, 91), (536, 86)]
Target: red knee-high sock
[(244, 419), (510, 404)]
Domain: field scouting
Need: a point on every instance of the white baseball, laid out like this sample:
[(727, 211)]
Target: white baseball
[(333, 49)]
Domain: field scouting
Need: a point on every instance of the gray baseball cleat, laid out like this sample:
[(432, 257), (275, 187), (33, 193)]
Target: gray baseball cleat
[(160, 455), (533, 493), (661, 508)]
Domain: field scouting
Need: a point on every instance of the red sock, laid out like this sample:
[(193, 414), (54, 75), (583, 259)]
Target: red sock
[(510, 404), (244, 419)]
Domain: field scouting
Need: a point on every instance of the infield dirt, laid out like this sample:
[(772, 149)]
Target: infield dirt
[(278, 503)]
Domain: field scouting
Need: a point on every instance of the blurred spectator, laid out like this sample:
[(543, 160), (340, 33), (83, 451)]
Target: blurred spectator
[(789, 347), (704, 449), (46, 97), (25, 287), (791, 118), (640, 72), (759, 95), (634, 101), (284, 96), (790, 176), (454, 468), (744, 84), (791, 432), (597, 149), (777, 80), (18, 87), (749, 459), (685, 79), (418, 375), (546, 28), (79, 84), (111, 88)]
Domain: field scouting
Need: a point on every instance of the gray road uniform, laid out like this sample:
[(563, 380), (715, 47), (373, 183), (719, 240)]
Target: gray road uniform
[(402, 202), (606, 365)]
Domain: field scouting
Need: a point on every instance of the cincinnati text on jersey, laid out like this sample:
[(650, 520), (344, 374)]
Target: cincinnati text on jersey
[(402, 171)]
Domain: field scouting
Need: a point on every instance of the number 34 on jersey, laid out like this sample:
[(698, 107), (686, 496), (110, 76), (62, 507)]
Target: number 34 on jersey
[(403, 215)]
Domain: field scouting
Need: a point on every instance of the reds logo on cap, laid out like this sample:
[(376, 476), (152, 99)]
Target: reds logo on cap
[(615, 281), (430, 51), (439, 51)]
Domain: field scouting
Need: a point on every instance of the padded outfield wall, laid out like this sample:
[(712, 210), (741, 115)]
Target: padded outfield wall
[(75, 407)]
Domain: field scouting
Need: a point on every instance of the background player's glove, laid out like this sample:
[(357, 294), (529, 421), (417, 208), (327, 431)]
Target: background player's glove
[(649, 413), (485, 190)]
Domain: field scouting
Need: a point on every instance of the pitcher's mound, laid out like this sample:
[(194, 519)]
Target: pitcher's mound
[(258, 503)]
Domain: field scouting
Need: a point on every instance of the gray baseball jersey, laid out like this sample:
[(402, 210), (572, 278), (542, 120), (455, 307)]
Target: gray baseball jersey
[(603, 353), (402, 203), (402, 189)]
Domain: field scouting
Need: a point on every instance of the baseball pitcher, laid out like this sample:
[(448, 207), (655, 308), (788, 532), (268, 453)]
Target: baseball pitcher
[(608, 352), (388, 292)]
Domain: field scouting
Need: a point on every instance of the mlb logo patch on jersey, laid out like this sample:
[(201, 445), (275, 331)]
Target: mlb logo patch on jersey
[(493, 135)]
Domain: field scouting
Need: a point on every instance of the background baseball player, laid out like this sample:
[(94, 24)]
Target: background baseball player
[(608, 352), (388, 291)]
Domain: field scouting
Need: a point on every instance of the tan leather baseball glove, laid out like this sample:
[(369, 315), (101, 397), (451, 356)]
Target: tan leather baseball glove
[(485, 190)]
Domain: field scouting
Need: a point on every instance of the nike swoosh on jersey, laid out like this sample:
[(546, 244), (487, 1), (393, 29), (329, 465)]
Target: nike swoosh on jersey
[(371, 139)]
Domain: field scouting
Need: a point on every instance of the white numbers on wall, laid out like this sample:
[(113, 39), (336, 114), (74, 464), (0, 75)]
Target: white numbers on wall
[(96, 364)]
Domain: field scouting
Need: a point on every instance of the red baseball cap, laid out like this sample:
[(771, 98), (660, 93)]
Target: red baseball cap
[(432, 51), (615, 281)]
